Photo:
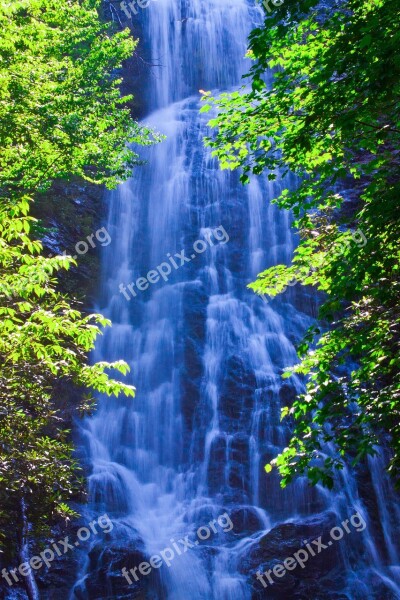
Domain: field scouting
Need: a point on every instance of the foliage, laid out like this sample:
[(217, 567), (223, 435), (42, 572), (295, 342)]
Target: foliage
[(331, 115), (61, 112), (61, 116), (42, 339)]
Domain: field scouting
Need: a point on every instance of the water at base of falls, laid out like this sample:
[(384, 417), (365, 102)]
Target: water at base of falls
[(207, 356)]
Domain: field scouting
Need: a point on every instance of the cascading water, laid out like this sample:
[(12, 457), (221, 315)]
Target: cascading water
[(206, 354)]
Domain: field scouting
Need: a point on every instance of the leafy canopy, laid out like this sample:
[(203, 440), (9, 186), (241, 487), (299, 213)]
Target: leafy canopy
[(61, 112)]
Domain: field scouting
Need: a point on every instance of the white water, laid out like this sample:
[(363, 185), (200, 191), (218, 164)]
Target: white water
[(206, 354)]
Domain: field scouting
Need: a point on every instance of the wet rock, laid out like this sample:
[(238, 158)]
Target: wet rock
[(318, 574), (287, 394), (237, 394), (105, 580), (245, 520), (194, 308), (73, 213), (216, 465), (239, 463)]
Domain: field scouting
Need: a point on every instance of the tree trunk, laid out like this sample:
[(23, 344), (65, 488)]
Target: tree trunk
[(29, 580)]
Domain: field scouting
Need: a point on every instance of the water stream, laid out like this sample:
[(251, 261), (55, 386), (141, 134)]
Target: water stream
[(206, 354)]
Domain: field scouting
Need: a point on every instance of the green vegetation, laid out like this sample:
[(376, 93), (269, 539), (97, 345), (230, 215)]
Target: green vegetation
[(332, 117), (61, 116)]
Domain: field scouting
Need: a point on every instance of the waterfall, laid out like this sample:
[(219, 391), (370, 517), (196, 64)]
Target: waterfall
[(206, 354)]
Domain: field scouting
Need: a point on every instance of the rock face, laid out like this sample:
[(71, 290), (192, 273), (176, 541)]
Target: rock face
[(322, 577), (237, 394), (105, 580), (72, 214), (320, 573)]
